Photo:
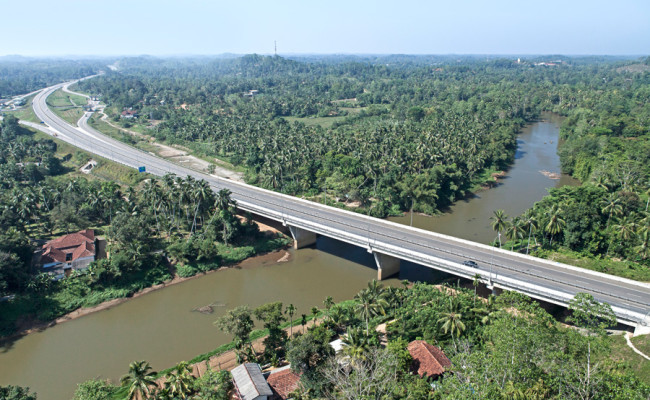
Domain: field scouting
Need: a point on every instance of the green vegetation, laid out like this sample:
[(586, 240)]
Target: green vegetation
[(63, 99), (382, 137), (25, 75), (26, 112), (500, 348), (67, 106), (197, 228)]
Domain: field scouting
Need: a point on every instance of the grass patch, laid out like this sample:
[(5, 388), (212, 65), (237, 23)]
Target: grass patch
[(117, 134), (70, 114), (67, 106), (642, 343), (621, 352), (75, 158), (624, 269), (63, 99)]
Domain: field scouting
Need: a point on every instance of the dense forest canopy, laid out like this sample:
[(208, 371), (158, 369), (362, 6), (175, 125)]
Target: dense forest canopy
[(22, 75)]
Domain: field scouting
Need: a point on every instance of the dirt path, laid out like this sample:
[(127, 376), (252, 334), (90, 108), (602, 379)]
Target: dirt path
[(637, 351)]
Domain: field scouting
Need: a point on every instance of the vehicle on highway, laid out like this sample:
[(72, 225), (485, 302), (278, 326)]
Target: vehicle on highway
[(469, 263)]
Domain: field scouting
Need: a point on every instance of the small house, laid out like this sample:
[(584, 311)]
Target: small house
[(61, 256), (250, 383), (428, 361), (128, 114), (283, 382)]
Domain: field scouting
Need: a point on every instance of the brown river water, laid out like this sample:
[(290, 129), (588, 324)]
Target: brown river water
[(161, 327)]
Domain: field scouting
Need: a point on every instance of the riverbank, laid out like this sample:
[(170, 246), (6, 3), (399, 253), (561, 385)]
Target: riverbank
[(27, 327)]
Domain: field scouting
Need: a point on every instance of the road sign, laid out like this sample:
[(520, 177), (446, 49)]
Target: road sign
[(142, 169)]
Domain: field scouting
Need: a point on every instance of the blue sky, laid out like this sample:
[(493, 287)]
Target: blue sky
[(164, 27)]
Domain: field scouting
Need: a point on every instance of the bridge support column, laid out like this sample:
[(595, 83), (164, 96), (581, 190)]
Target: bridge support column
[(643, 327), (301, 237), (495, 290), (386, 265)]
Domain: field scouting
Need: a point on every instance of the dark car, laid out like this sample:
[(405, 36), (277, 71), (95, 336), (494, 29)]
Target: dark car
[(469, 263)]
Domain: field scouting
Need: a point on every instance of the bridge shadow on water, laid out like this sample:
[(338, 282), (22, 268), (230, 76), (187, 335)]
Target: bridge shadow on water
[(359, 255)]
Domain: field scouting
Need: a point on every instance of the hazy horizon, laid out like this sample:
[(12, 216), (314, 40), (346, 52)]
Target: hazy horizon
[(196, 27)]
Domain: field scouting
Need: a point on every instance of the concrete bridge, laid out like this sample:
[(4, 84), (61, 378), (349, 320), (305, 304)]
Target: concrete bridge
[(387, 241)]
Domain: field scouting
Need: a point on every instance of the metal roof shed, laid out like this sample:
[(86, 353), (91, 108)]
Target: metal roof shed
[(250, 383)]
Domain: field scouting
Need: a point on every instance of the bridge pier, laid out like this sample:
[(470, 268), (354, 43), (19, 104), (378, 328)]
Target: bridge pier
[(386, 265), (643, 327), (301, 237), (495, 290)]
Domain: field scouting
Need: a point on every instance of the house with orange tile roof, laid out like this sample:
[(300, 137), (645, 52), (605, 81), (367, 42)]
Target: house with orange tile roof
[(283, 382), (61, 256), (428, 361)]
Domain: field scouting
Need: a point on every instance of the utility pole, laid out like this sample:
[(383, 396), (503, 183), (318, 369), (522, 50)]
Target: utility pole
[(275, 42)]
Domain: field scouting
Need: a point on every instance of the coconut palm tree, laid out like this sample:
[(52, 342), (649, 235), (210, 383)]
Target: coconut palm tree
[(139, 380), (499, 223), (611, 206), (452, 320), (328, 303), (356, 344), (530, 224), (555, 223), (291, 309), (476, 282), (643, 249), (371, 302), (625, 229), (515, 231), (179, 380)]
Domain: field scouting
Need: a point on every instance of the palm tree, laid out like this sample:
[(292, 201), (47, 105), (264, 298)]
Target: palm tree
[(499, 223), (476, 282), (555, 221), (625, 229), (643, 249), (303, 321), (530, 222), (451, 320), (328, 303), (371, 302), (515, 231), (356, 344), (611, 206), (179, 380), (139, 379), (291, 309)]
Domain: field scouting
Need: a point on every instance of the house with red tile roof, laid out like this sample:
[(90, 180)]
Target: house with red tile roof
[(59, 257), (129, 114), (283, 382), (428, 361)]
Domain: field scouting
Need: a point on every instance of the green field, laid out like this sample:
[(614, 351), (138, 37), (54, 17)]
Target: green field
[(62, 99)]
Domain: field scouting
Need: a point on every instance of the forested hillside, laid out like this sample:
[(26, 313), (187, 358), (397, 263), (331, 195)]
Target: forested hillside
[(21, 75)]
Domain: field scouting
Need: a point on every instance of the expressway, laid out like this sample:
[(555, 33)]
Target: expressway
[(542, 279)]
